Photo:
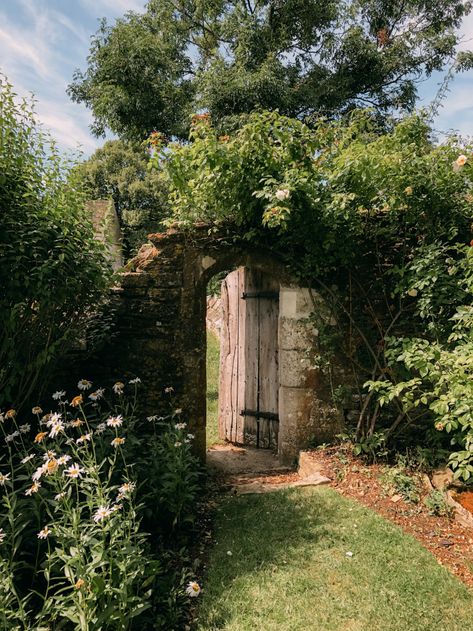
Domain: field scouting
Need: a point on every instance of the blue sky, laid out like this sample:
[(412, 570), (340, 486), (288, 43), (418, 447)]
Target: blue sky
[(42, 42)]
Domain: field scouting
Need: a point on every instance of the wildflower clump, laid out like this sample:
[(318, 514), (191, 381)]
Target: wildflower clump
[(72, 517)]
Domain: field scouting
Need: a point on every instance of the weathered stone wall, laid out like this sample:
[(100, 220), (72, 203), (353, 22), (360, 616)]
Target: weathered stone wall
[(161, 335)]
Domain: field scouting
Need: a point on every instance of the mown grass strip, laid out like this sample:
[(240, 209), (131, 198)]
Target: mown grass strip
[(213, 367), (281, 564)]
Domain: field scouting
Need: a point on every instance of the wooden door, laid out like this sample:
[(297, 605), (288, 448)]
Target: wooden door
[(248, 391)]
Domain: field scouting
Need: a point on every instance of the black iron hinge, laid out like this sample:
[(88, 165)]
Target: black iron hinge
[(270, 416), (269, 295)]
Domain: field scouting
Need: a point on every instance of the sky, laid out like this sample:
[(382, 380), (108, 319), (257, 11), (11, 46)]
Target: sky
[(42, 42)]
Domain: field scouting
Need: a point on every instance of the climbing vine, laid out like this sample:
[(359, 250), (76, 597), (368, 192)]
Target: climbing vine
[(377, 219)]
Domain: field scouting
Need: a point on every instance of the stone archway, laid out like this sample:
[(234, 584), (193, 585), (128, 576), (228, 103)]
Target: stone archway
[(162, 336)]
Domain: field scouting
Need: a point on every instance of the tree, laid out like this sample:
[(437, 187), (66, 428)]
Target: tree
[(119, 170), (303, 57)]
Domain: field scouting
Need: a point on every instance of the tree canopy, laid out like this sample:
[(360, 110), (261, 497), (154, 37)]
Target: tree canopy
[(119, 170), (305, 58)]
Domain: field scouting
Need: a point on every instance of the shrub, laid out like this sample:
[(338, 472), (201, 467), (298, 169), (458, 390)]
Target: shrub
[(437, 504), (53, 273), (73, 551), (396, 480)]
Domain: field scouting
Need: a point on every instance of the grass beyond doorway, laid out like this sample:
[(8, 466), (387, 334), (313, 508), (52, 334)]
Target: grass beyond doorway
[(311, 560), (213, 370)]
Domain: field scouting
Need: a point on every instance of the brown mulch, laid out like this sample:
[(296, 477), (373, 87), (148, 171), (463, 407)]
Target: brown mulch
[(450, 542)]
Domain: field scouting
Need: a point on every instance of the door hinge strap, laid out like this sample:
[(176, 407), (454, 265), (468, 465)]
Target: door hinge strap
[(270, 416), (270, 295)]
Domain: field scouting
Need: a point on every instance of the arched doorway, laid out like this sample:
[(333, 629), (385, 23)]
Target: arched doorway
[(161, 335)]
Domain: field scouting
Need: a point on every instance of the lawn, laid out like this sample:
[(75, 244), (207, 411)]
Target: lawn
[(213, 366), (281, 563)]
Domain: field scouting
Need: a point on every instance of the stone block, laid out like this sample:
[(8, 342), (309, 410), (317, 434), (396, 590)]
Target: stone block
[(294, 407), (294, 370), (134, 280), (296, 334)]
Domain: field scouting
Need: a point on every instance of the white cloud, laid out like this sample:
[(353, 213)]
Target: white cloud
[(38, 48), (466, 31), (114, 8)]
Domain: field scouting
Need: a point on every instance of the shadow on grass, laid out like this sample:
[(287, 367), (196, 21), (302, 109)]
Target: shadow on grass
[(289, 571)]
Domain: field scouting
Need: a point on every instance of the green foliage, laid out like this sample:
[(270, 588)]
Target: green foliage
[(76, 491), (53, 272), (302, 57), (396, 481), (440, 371), (372, 447), (437, 503), (384, 214), (119, 171)]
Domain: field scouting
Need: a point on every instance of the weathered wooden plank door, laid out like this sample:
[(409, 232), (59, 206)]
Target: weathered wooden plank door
[(248, 391)]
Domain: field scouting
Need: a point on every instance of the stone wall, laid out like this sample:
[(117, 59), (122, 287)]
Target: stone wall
[(161, 337)]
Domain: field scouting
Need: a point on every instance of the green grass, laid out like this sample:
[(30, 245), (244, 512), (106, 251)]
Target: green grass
[(213, 366), (288, 570)]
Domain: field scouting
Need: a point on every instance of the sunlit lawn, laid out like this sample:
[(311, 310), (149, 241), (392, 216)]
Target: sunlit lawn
[(289, 570), (213, 365)]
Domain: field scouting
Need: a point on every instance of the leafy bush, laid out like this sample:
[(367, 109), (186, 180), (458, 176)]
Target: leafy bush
[(119, 171), (74, 553), (377, 218), (53, 273), (437, 503), (396, 480)]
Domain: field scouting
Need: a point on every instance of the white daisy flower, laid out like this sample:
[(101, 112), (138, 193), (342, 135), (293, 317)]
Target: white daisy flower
[(49, 455), (52, 418), (59, 496), (118, 387), (39, 472), (152, 418), (116, 442), (135, 380), (190, 436), (102, 513), (34, 488), (24, 429), (10, 437), (2, 535), (59, 395), (56, 428), (180, 426), (127, 487), (74, 471), (84, 384), (4, 477), (98, 394), (115, 421), (63, 459), (77, 422), (27, 459), (84, 438), (44, 533), (101, 427), (36, 410), (177, 444), (178, 411), (193, 589), (168, 390)]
